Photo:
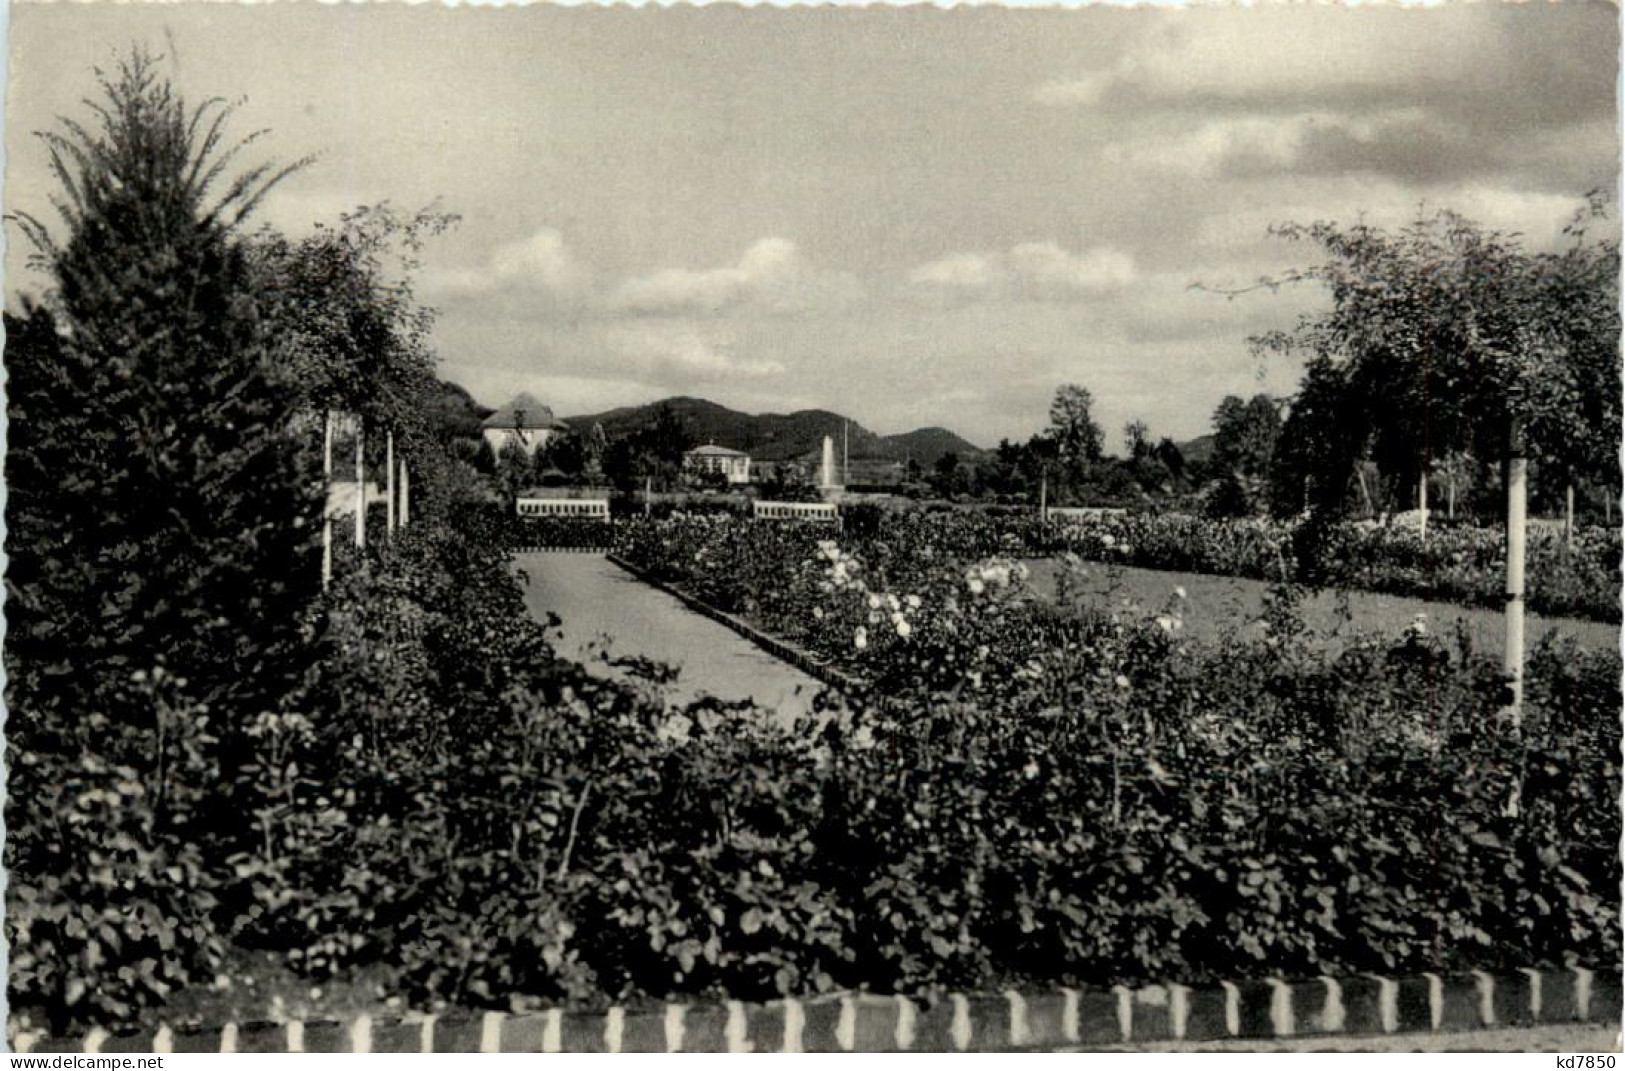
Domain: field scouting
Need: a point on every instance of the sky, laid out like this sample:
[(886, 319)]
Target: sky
[(913, 217)]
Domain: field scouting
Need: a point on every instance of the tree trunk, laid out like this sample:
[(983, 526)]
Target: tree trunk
[(1365, 492), (406, 494), (1517, 523), (1450, 496)]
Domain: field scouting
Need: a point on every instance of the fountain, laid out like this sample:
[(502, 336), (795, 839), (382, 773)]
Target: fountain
[(826, 475)]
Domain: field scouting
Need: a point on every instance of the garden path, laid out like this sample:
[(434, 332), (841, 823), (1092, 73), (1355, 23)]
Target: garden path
[(594, 599)]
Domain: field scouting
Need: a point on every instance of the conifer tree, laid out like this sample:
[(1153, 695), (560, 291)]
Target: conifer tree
[(161, 510)]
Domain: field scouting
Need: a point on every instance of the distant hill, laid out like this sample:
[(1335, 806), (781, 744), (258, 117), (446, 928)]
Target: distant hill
[(1198, 451), (453, 413), (926, 445), (770, 437)]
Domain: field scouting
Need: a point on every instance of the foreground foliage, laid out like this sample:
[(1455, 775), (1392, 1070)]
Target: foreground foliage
[(1036, 794)]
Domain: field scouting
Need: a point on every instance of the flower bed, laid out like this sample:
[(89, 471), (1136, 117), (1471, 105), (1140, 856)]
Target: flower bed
[(1452, 564), (1030, 794)]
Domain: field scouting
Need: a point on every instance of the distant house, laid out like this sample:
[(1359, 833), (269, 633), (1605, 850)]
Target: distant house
[(523, 422), (734, 465)]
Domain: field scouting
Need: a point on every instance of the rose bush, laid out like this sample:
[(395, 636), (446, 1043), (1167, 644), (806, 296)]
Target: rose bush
[(1452, 564), (1033, 791)]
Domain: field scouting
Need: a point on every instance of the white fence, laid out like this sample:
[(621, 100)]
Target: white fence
[(795, 511), (596, 509)]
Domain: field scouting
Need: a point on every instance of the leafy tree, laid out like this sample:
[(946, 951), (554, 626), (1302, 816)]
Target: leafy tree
[(654, 452), (1137, 439), (351, 335), (596, 448), (1078, 439), (1244, 440), (948, 478), (564, 457), (453, 415), (1572, 407), (1444, 336), (1172, 457), (790, 481), (515, 472), (1315, 456)]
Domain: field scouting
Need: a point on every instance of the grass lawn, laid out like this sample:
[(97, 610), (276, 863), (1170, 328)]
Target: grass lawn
[(1217, 606)]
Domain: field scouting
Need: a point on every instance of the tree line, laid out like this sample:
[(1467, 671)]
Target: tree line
[(1445, 347)]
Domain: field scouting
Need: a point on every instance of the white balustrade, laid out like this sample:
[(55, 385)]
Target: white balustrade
[(824, 512), (594, 509)]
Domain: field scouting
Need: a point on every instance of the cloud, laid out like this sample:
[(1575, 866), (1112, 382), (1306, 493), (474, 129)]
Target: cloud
[(1086, 90), (1042, 271), (1306, 142), (1245, 226), (1048, 268), (540, 265), (541, 261), (680, 354), (1261, 58), (968, 272), (1460, 94), (771, 275)]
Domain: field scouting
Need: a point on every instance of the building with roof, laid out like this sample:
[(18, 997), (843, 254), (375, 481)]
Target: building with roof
[(734, 465), (523, 422)]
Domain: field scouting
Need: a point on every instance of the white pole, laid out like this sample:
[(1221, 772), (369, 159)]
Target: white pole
[(1517, 524), (327, 491), (1422, 499), (1043, 499), (406, 494), (360, 483), (389, 479), (1568, 516), (648, 496)]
